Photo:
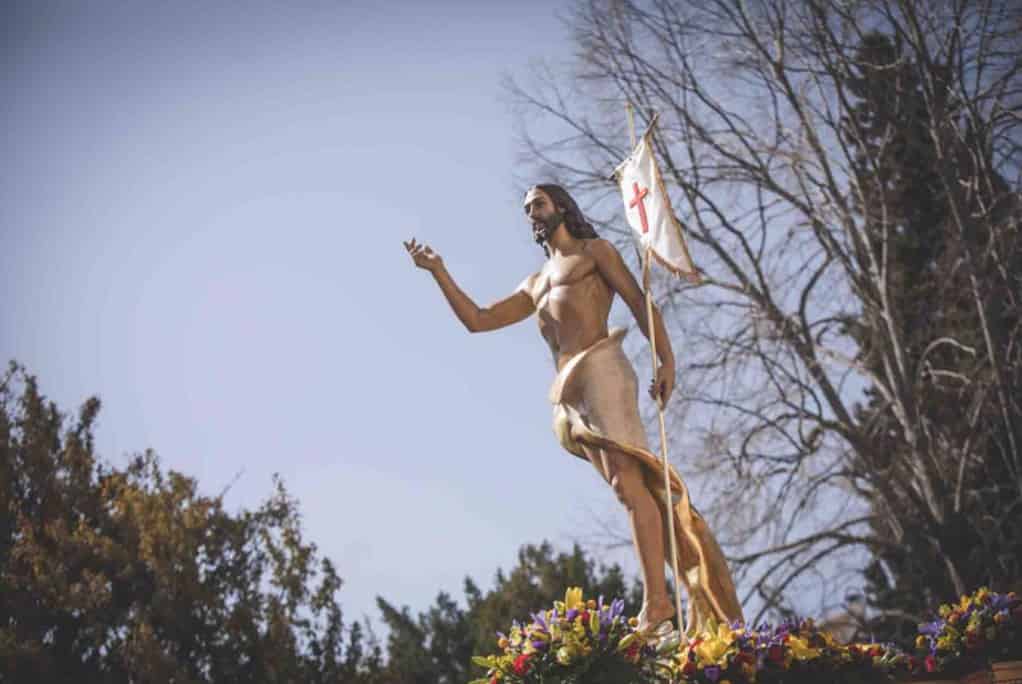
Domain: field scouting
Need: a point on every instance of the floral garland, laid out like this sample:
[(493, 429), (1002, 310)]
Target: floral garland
[(592, 641), (982, 626), (795, 651)]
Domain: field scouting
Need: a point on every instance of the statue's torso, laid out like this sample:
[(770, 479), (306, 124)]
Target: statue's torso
[(572, 302)]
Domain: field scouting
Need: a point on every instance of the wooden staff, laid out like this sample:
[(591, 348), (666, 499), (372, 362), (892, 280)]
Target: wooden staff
[(651, 329)]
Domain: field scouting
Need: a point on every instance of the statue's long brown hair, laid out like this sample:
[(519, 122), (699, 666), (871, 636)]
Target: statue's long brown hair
[(574, 221)]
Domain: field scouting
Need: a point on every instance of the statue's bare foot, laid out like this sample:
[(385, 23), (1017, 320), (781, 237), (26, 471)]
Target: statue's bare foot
[(654, 613)]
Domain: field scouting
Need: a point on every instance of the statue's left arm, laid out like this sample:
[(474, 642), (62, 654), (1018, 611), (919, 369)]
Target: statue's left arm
[(616, 273)]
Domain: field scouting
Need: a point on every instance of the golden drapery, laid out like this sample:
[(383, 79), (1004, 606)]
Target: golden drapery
[(595, 398)]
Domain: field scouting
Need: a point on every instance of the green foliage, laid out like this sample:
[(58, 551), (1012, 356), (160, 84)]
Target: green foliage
[(130, 574)]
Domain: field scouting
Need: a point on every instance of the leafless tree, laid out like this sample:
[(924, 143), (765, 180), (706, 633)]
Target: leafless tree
[(826, 427)]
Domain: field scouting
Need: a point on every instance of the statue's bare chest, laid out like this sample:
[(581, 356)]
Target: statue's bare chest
[(560, 273)]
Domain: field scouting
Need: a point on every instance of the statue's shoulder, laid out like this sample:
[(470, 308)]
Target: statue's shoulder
[(529, 284), (599, 248)]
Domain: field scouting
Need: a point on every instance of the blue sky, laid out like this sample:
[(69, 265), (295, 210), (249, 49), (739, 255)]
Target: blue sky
[(201, 223)]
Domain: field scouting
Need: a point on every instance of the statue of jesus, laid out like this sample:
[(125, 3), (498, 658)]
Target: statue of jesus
[(595, 393)]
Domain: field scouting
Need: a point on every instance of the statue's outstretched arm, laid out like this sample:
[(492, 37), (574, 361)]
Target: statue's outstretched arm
[(507, 311)]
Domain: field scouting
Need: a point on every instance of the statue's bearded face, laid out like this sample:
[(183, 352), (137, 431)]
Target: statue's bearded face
[(543, 214)]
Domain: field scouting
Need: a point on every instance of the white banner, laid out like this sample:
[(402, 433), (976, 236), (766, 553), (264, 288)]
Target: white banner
[(649, 212)]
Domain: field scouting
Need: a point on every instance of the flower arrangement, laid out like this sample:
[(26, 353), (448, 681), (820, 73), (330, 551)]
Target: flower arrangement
[(795, 651), (981, 626), (575, 641), (592, 641)]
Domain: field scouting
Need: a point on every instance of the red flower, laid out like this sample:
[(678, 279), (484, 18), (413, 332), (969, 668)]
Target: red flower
[(931, 664), (775, 654), (585, 617), (493, 680), (876, 652), (521, 664), (688, 669)]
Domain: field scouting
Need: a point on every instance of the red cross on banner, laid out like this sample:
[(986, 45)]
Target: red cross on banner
[(637, 200), (648, 209)]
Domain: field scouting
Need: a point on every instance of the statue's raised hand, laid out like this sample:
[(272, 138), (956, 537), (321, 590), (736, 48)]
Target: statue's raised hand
[(424, 256)]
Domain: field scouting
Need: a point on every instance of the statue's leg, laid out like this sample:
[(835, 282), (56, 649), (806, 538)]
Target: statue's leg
[(624, 475)]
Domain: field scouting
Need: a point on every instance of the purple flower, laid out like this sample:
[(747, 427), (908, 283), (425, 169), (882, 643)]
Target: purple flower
[(571, 614), (539, 645), (931, 628), (712, 673), (1000, 602)]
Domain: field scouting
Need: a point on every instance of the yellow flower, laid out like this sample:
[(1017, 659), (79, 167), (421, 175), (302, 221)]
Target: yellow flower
[(828, 639), (627, 641), (920, 641), (715, 646), (573, 598), (800, 649)]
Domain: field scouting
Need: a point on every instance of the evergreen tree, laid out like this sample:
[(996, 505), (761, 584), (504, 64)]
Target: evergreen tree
[(951, 485), (116, 575)]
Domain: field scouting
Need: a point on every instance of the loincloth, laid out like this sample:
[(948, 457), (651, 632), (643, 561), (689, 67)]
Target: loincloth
[(595, 398)]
